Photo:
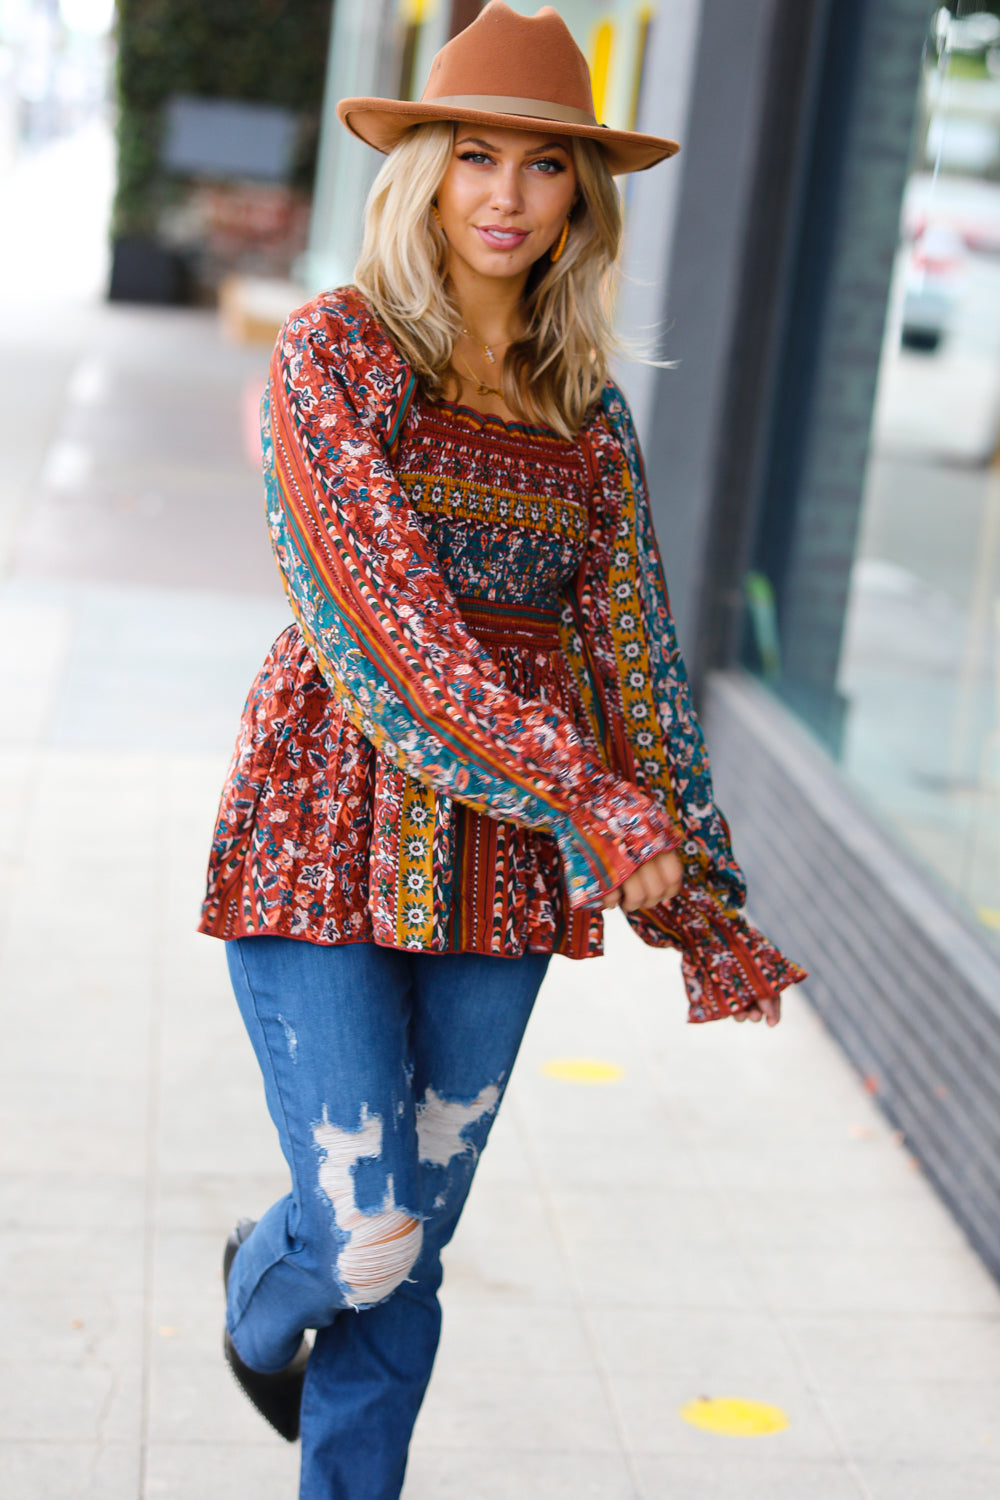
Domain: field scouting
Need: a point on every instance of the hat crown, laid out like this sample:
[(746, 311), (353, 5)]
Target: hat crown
[(505, 54)]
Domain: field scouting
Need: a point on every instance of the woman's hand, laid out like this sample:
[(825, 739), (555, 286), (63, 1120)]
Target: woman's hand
[(659, 879), (762, 1009)]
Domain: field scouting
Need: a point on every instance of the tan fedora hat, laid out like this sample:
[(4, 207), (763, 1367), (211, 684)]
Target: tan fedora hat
[(544, 78)]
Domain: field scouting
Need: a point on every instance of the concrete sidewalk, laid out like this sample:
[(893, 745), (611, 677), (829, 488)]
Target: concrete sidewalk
[(724, 1213)]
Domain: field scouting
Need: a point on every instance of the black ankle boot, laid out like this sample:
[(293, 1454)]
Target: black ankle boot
[(277, 1396)]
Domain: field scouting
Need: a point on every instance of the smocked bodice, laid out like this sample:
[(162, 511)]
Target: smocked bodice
[(505, 505)]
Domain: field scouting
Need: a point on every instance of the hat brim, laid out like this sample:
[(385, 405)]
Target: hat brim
[(382, 123)]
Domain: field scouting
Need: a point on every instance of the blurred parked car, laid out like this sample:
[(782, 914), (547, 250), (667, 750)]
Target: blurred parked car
[(931, 287)]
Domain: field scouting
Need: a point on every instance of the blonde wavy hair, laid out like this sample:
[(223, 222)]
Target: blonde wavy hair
[(554, 374)]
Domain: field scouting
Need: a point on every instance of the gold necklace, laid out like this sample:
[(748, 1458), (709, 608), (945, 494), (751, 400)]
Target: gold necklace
[(485, 347), (482, 389)]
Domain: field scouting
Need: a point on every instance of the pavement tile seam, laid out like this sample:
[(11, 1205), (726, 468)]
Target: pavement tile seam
[(578, 1300)]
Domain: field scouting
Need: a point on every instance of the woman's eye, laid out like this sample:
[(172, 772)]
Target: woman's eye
[(475, 156), (549, 165)]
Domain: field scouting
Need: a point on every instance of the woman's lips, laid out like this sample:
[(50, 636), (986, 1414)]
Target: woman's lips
[(499, 238)]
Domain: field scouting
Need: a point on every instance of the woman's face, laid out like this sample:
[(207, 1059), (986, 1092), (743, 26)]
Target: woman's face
[(505, 197)]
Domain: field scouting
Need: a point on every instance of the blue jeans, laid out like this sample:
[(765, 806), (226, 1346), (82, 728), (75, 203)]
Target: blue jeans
[(383, 1072)]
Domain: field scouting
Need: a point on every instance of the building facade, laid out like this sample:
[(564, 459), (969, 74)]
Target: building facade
[(818, 273), (823, 466)]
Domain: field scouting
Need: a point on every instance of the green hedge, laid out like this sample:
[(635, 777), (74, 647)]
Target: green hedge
[(259, 51)]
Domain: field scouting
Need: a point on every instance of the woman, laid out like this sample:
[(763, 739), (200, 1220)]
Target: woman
[(475, 737)]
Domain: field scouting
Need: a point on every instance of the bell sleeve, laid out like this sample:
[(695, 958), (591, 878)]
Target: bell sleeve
[(728, 964), (384, 629)]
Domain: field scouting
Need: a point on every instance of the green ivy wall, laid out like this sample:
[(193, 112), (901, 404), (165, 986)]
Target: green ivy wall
[(259, 51)]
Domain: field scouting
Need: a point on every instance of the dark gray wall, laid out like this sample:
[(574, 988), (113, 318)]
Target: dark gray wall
[(699, 228), (775, 238), (651, 198), (846, 240)]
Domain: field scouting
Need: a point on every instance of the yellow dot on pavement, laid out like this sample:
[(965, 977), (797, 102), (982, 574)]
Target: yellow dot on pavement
[(733, 1416), (582, 1070)]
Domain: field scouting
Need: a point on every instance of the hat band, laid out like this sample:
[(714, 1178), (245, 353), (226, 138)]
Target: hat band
[(506, 104)]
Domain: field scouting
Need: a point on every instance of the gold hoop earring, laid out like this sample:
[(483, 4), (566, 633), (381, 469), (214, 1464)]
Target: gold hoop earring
[(560, 244), (434, 211)]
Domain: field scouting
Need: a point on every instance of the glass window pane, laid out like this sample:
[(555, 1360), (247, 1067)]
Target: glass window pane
[(920, 662)]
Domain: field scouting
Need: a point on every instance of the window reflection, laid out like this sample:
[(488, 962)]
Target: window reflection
[(920, 664)]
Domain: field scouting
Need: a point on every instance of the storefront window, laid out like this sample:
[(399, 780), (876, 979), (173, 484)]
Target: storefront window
[(919, 669)]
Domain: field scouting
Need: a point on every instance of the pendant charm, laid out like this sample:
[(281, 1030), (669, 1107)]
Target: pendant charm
[(485, 347)]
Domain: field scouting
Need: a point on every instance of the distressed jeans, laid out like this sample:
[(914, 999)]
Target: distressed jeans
[(383, 1072)]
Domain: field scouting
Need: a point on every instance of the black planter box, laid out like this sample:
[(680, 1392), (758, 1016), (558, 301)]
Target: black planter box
[(143, 271)]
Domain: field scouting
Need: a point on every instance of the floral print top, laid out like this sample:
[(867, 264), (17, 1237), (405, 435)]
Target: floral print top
[(479, 722)]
